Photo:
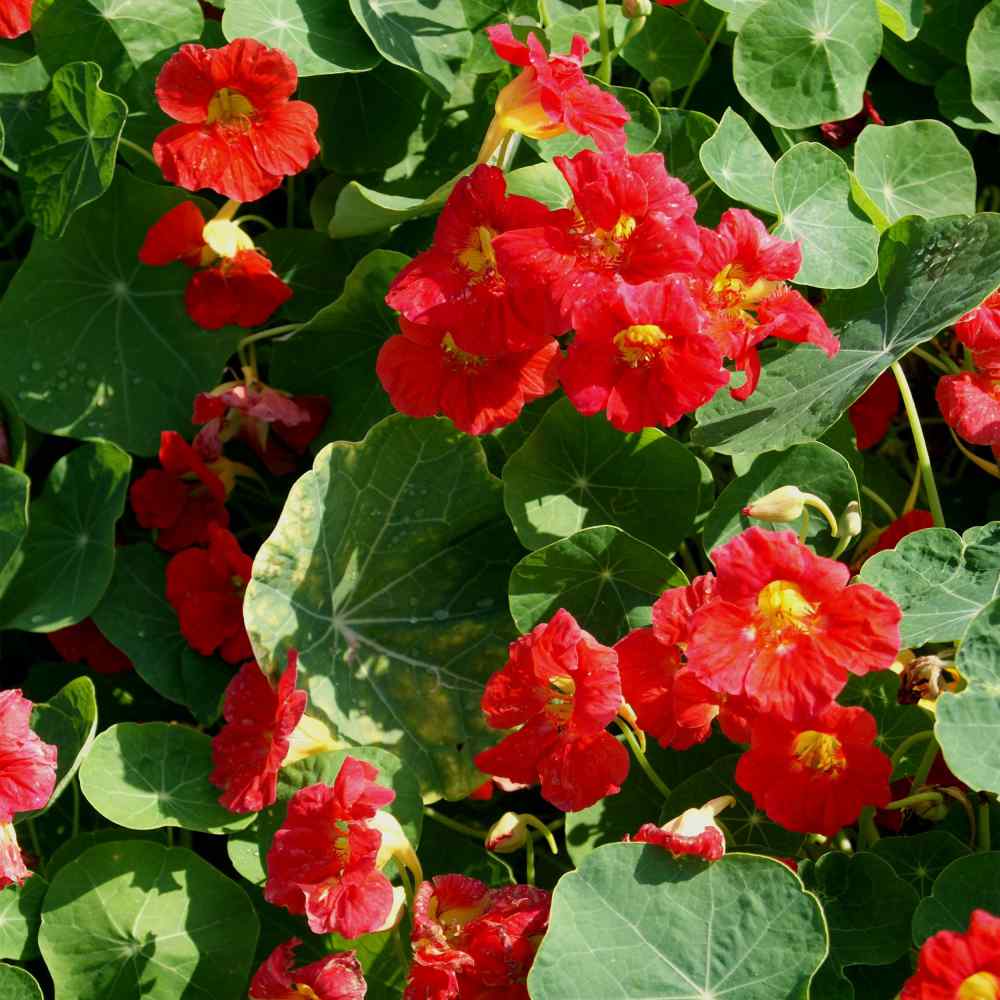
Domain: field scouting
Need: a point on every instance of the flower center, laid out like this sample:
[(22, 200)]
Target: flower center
[(609, 241), (562, 690), (782, 605), (306, 992), (641, 344), (819, 752), (478, 256), (981, 986), (519, 108), (229, 107), (459, 359), (732, 289)]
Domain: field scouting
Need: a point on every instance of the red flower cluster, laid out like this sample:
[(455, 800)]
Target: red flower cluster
[(970, 401), (335, 977), (473, 941), (15, 18), (562, 687), (27, 778), (956, 966), (324, 861), (232, 282), (239, 134), (84, 643), (205, 588), (656, 302), (873, 414)]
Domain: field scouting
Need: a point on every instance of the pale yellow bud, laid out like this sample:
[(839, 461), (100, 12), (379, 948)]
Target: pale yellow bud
[(225, 238), (508, 834), (788, 503)]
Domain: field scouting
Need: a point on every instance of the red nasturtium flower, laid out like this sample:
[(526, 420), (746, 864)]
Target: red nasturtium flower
[(335, 977), (872, 414), (84, 643), (642, 355), (233, 281), (844, 132), (15, 18), (240, 135), (551, 96), (425, 372), (473, 941), (817, 774), (324, 861), (915, 520), (27, 778), (959, 966), (458, 283), (278, 427), (254, 742), (783, 628), (562, 687), (630, 220), (205, 587), (970, 403), (743, 270), (979, 329), (184, 498), (693, 832)]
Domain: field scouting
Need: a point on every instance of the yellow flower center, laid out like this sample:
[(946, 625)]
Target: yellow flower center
[(640, 344), (563, 690), (458, 357), (306, 992), (819, 751), (781, 604), (981, 986), (229, 107), (730, 285), (478, 256), (610, 241)]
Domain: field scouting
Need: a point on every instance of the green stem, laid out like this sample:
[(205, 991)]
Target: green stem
[(604, 70), (883, 505), (275, 331), (543, 14), (702, 63), (983, 840), (634, 27), (868, 834), (170, 836), (397, 938), (76, 805), (136, 148), (453, 824), (704, 186), (949, 367), (923, 456), (689, 564), (804, 529), (914, 800), (692, 7), (908, 744), (656, 780), (529, 861), (926, 763), (256, 218)]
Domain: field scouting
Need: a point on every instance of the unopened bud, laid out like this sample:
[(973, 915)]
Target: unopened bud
[(395, 845), (932, 810), (508, 834), (693, 832), (225, 238), (633, 9), (787, 503), (850, 521), (660, 90)]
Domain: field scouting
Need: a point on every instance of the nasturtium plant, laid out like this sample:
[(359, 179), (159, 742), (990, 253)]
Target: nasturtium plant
[(495, 499)]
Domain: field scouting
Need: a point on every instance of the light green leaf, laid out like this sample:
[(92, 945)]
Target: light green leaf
[(576, 472), (421, 35), (968, 723), (930, 272), (738, 11), (20, 915), (739, 164), (668, 46), (70, 850), (968, 884), (72, 158), (360, 210), (334, 354), (814, 468), (981, 52), (632, 921), (136, 617), (146, 775), (18, 984), (812, 188), (867, 907), (606, 579), (802, 62), (244, 855), (954, 96), (66, 562), (97, 345), (541, 181), (920, 857), (387, 572), (941, 580), (917, 168), (14, 490), (320, 36), (902, 17), (131, 918), (682, 134)]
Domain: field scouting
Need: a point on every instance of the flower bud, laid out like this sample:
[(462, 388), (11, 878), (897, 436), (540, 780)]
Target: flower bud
[(788, 503), (850, 521), (693, 832), (225, 238), (395, 845), (508, 834), (660, 90), (634, 9)]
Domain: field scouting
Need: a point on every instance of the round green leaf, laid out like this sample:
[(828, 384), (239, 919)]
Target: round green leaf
[(544, 183), (144, 776), (96, 344), (917, 168), (954, 96), (746, 826), (321, 36), (606, 579), (66, 562), (360, 210), (70, 850), (739, 164), (18, 984), (920, 857), (14, 489), (813, 190), (668, 46), (576, 472), (968, 884), (867, 907), (131, 918), (902, 17), (814, 468), (940, 579), (334, 354), (737, 10), (802, 62), (136, 617), (968, 723), (244, 855), (981, 55), (632, 921), (20, 914), (387, 572)]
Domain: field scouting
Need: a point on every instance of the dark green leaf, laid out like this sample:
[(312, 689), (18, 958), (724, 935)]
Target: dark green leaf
[(921, 857), (968, 884), (902, 17), (981, 50), (14, 489), (669, 46), (20, 915)]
